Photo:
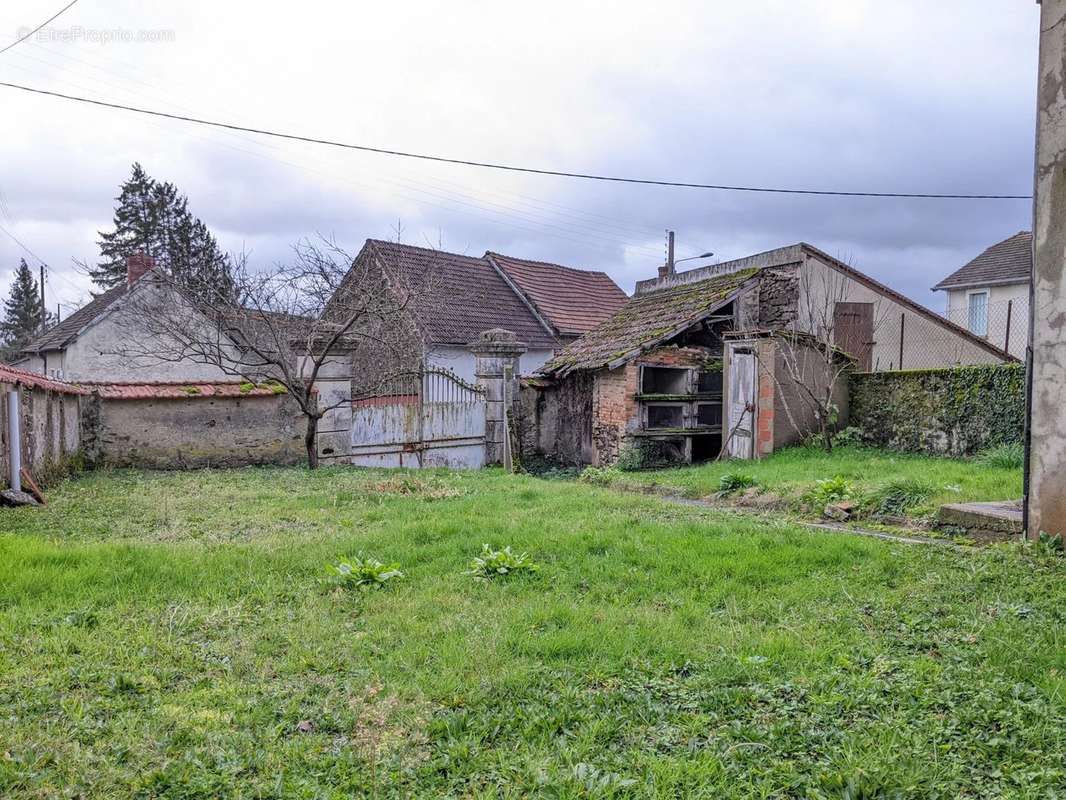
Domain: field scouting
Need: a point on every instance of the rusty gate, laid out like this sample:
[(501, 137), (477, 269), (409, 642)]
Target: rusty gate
[(429, 417)]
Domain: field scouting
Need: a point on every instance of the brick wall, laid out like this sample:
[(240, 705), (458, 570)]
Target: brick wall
[(766, 394), (613, 408)]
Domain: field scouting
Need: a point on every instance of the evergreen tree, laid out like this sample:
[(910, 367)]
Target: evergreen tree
[(22, 312), (136, 229), (154, 217)]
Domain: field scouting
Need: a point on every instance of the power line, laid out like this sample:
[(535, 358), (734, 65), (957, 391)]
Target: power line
[(508, 167), (21, 39)]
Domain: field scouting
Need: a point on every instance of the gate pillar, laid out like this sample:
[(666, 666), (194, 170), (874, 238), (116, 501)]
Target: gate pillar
[(334, 385), (496, 358)]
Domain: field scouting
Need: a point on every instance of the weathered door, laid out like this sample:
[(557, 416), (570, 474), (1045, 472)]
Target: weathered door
[(421, 418), (853, 332), (740, 425)]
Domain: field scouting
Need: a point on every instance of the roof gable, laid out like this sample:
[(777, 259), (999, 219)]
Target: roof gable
[(1009, 261), (572, 301), (647, 320), (66, 331)]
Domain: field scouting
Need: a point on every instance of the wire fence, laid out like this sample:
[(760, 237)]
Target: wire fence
[(905, 340)]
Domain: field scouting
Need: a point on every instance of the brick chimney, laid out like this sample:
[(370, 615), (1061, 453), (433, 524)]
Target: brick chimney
[(137, 265)]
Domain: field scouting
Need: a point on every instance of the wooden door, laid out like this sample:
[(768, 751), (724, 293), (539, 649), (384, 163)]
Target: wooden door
[(740, 425), (853, 332)]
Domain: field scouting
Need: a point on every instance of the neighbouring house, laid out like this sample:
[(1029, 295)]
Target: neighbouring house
[(989, 296), (87, 345), (726, 353), (459, 297)]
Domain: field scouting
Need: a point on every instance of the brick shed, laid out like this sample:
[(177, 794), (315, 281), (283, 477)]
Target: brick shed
[(721, 361)]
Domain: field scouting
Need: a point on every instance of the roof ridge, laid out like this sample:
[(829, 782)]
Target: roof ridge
[(422, 249), (579, 270)]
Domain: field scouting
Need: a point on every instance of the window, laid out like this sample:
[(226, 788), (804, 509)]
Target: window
[(664, 380), (708, 414), (710, 382), (977, 317), (661, 415)]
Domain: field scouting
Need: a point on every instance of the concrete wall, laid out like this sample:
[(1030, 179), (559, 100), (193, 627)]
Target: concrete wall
[(195, 432), (1046, 487), (927, 343), (461, 361), (50, 428), (1014, 294), (93, 355)]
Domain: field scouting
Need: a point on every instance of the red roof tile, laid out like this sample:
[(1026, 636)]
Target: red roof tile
[(573, 301), (178, 391), (21, 377), (465, 295)]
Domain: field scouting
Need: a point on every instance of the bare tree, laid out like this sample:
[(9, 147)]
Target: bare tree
[(816, 352), (287, 325)]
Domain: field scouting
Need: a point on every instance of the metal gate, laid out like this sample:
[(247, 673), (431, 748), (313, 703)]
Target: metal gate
[(420, 418)]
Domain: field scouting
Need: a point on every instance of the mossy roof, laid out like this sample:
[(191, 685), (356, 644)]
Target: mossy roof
[(646, 321)]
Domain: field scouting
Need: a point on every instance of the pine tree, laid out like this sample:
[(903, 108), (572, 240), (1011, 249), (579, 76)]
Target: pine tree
[(136, 229), (154, 217), (22, 312)]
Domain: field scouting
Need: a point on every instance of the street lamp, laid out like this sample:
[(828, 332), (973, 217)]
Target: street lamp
[(692, 258)]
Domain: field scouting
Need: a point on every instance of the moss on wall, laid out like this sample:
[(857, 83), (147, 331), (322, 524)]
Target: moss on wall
[(957, 411)]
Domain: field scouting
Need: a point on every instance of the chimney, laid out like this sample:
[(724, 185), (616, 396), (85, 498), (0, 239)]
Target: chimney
[(137, 265)]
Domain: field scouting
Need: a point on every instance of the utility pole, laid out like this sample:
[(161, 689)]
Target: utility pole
[(1045, 489), (44, 315), (670, 253)]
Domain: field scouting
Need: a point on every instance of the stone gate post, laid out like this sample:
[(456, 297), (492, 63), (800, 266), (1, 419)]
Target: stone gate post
[(496, 369), (334, 385)]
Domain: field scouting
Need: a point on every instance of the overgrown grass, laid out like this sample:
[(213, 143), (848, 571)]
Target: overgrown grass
[(794, 474), (171, 636)]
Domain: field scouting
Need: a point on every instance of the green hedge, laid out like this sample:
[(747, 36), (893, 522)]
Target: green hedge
[(956, 412)]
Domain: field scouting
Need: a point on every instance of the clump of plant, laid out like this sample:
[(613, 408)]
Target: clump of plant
[(1047, 545), (850, 436), (599, 476), (897, 497), (246, 387), (1004, 456), (829, 490), (632, 457), (499, 563), (735, 481), (363, 573)]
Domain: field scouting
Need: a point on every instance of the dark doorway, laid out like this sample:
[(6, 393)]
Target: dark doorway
[(853, 332)]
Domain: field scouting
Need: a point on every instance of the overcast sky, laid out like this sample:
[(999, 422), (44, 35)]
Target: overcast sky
[(860, 95)]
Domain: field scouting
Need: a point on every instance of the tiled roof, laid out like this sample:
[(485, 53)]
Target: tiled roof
[(59, 336), (13, 375), (166, 390), (466, 296), (645, 321), (573, 301), (1009, 261)]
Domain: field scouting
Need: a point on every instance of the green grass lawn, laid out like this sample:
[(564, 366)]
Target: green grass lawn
[(792, 472), (174, 636)]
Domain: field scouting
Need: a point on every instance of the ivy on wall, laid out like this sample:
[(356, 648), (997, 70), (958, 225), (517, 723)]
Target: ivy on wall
[(957, 411)]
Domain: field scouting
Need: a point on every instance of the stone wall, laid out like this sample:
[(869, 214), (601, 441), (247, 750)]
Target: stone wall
[(555, 420), (173, 433), (955, 412), (50, 431), (778, 298)]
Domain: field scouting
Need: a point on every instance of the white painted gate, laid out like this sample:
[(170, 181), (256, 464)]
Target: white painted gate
[(421, 418), (740, 424)]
